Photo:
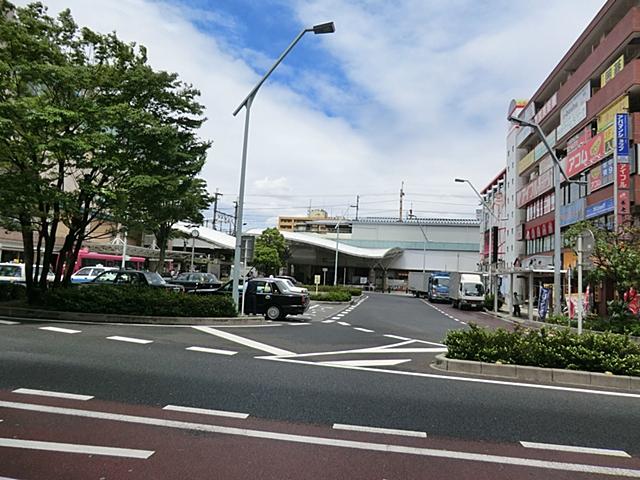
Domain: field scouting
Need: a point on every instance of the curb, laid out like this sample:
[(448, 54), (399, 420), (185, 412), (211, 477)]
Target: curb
[(539, 374), (32, 314)]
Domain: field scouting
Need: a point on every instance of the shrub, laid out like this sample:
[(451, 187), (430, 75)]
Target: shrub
[(332, 296), (556, 348), (12, 291), (353, 291), (628, 325), (488, 301), (108, 299)]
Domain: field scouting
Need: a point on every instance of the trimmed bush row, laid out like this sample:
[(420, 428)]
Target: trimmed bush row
[(10, 291), (625, 327), (107, 299), (550, 348), (332, 296), (354, 291)]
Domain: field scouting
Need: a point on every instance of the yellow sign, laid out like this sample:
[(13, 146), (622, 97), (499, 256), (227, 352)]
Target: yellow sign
[(526, 162), (607, 118), (612, 71)]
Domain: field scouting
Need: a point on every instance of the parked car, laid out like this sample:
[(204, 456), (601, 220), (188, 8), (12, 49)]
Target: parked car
[(16, 273), (293, 284), (87, 274), (196, 280), (134, 278), (270, 297)]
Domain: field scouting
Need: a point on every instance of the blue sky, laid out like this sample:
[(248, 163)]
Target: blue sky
[(405, 90)]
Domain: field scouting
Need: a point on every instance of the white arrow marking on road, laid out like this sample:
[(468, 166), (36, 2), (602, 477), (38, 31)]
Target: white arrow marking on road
[(367, 363), (60, 330), (397, 337), (570, 448), (47, 393), (130, 340), (206, 411), (211, 350), (75, 448), (245, 341), (332, 442), (388, 431)]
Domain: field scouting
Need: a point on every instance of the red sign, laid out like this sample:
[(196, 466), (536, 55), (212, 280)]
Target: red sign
[(541, 230), (585, 156), (624, 172), (535, 188)]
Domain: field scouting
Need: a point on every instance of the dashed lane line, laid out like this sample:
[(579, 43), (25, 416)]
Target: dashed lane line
[(333, 442), (8, 322), (574, 449), (345, 324), (360, 329), (130, 340), (328, 321), (47, 393), (59, 330), (205, 411), (211, 350), (75, 448), (387, 431)]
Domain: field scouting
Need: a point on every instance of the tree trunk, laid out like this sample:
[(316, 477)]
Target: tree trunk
[(27, 242), (162, 238)]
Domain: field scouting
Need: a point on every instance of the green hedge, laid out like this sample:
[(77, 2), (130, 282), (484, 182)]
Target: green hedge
[(11, 291), (613, 325), (354, 291), (109, 299), (554, 348), (332, 296)]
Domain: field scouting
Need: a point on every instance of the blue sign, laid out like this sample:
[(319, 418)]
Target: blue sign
[(572, 213), (622, 134), (543, 302), (600, 208)]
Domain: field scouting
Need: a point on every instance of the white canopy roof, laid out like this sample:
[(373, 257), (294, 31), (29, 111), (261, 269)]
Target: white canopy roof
[(209, 235)]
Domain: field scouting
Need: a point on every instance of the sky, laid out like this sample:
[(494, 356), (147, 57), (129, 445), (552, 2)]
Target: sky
[(412, 91)]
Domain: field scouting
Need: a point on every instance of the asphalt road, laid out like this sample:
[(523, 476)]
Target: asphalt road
[(368, 365)]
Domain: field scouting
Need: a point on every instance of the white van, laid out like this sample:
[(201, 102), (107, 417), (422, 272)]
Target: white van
[(15, 273)]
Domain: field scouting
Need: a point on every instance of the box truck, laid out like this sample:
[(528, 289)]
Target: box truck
[(466, 290), (438, 287), (418, 283)]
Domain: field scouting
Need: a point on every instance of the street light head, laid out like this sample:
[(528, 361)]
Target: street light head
[(519, 121), (459, 180), (328, 27)]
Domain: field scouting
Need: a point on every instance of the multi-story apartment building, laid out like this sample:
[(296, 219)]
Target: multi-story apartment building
[(576, 107)]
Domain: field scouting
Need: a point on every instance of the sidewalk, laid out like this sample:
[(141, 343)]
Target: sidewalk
[(523, 319)]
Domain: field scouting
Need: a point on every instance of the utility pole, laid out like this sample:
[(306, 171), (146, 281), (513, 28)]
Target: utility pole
[(357, 206), (215, 207), (401, 196)]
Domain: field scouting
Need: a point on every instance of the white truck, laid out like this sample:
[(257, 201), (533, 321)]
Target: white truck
[(466, 290), (419, 283)]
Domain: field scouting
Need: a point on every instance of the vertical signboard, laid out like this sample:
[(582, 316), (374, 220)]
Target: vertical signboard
[(623, 170)]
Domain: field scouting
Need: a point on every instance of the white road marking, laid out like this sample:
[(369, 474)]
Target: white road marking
[(336, 318), (569, 448), (607, 393), (7, 322), (333, 442), (368, 363), (47, 393), (345, 324), (328, 321), (211, 350), (245, 341), (75, 448), (206, 411), (388, 431), (363, 329), (60, 330), (313, 306), (340, 315), (130, 340), (397, 337)]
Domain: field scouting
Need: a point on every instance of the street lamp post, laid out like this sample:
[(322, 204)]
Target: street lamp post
[(493, 214), (247, 102), (194, 234), (557, 234)]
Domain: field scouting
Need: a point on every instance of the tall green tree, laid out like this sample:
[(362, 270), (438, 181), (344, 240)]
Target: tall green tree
[(84, 121), (270, 251)]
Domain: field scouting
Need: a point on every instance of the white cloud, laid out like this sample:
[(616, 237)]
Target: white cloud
[(421, 94)]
